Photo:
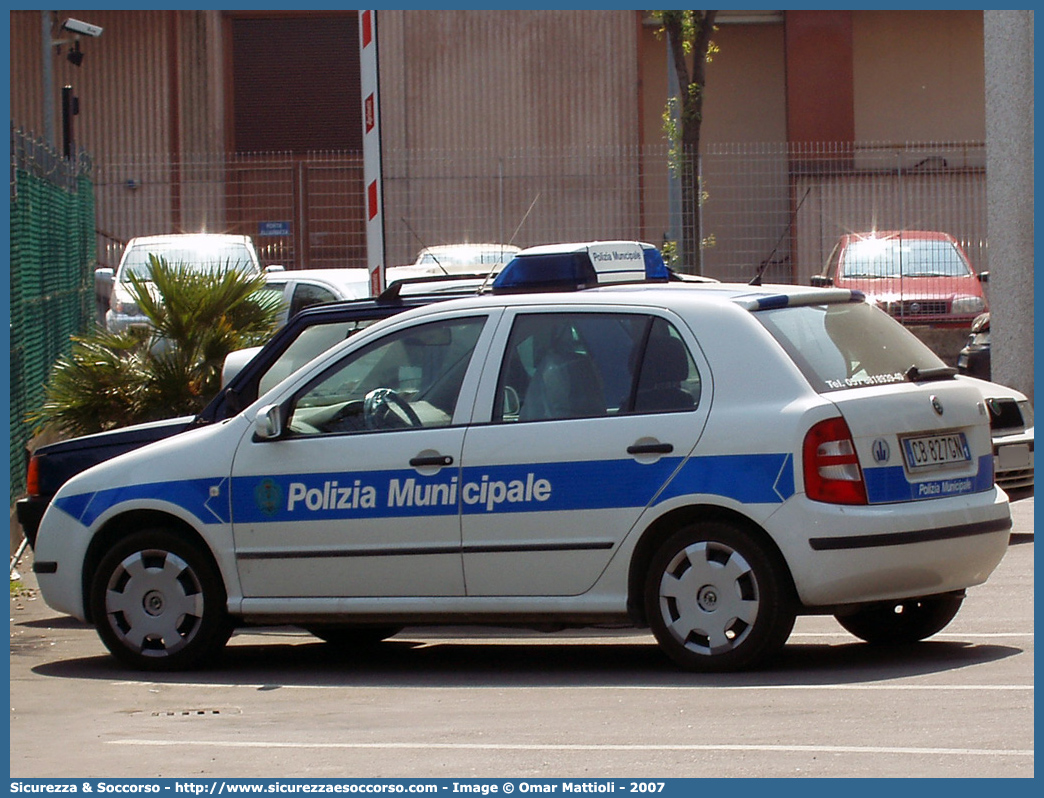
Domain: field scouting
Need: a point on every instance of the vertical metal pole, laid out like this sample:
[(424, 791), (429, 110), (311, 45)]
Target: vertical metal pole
[(68, 111), (674, 193), (48, 77)]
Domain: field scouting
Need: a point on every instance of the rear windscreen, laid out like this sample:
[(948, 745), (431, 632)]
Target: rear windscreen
[(847, 345)]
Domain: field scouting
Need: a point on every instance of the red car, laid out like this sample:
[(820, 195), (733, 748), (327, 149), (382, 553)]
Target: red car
[(918, 276)]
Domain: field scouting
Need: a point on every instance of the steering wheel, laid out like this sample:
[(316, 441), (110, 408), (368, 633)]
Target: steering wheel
[(384, 398)]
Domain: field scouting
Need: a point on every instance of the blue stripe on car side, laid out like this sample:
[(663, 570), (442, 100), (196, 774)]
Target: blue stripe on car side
[(193, 495), (543, 487)]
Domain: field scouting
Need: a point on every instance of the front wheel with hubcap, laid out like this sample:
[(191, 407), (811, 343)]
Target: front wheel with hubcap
[(904, 621), (717, 599), (158, 602)]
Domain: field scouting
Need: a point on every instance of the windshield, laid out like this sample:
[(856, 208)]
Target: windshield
[(205, 256), (894, 257), (851, 345)]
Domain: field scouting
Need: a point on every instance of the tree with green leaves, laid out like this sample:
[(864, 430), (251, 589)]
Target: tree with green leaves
[(690, 48), (170, 367)]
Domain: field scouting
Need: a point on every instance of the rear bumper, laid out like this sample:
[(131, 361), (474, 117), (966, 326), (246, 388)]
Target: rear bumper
[(850, 555)]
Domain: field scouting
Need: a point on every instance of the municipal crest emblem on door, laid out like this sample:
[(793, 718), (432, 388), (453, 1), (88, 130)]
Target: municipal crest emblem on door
[(268, 496)]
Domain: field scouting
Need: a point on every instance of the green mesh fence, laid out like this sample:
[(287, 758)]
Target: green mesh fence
[(52, 275)]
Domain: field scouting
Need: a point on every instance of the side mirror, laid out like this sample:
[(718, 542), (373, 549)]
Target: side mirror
[(104, 277), (274, 268), (235, 361), (820, 281), (984, 277), (268, 426)]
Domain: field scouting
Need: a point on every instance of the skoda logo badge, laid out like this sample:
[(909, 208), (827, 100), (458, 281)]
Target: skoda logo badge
[(268, 496), (937, 405), (881, 451)]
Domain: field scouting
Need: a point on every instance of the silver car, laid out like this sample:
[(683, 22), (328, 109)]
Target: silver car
[(205, 251)]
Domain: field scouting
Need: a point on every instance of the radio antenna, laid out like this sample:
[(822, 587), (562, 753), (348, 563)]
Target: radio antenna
[(423, 245), (524, 217)]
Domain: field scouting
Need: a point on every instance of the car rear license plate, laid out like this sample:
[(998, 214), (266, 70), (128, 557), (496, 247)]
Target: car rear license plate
[(926, 451)]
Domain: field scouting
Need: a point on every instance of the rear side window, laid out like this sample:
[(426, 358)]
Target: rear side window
[(586, 365), (306, 295), (849, 345)]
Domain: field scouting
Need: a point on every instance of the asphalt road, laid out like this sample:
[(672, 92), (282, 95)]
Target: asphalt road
[(507, 705)]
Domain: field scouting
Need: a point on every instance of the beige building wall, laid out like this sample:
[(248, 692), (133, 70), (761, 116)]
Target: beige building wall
[(746, 85), (919, 76), (151, 87), (494, 79), (478, 107)]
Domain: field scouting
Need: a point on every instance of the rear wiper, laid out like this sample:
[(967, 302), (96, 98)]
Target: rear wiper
[(914, 374)]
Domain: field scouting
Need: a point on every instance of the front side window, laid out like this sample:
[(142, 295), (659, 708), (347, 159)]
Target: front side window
[(847, 345), (409, 378), (585, 365)]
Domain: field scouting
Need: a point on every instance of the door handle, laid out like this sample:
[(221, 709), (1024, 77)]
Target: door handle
[(650, 448), (431, 460)]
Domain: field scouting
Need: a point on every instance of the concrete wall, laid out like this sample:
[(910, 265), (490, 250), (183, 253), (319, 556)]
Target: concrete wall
[(1009, 193), (930, 61)]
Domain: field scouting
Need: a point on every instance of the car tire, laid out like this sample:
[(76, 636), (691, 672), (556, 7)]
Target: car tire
[(158, 602), (899, 622), (717, 599), (353, 636)]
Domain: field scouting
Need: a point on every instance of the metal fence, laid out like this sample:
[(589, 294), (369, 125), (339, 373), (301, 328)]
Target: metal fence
[(52, 287), (775, 207)]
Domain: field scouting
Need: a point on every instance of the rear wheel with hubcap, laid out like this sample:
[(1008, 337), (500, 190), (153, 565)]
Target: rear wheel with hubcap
[(716, 599), (158, 602)]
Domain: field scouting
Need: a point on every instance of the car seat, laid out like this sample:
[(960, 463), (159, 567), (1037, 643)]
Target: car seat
[(665, 366), (564, 385)]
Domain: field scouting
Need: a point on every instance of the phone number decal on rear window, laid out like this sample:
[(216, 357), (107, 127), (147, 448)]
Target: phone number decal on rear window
[(867, 379)]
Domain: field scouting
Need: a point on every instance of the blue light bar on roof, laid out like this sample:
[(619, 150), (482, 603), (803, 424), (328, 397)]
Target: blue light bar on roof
[(571, 267)]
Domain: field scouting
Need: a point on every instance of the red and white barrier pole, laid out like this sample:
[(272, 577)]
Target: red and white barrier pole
[(371, 120)]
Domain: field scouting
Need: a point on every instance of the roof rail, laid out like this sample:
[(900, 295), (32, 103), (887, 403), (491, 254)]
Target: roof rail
[(391, 294)]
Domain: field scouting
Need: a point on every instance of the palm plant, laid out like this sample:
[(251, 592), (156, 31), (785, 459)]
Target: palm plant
[(170, 367)]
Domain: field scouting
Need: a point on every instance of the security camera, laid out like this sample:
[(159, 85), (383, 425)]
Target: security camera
[(82, 28)]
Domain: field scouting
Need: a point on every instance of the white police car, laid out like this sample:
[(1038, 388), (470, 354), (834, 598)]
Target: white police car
[(708, 461)]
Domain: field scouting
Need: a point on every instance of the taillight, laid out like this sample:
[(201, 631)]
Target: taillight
[(32, 477), (832, 472)]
